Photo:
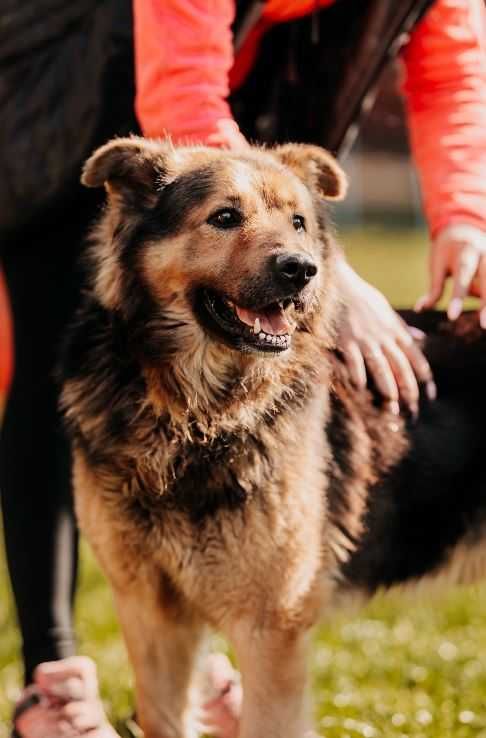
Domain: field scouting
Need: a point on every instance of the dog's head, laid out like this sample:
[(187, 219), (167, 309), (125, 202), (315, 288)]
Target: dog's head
[(205, 245)]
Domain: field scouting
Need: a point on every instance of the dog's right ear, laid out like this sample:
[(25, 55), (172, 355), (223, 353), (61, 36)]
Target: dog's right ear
[(316, 167), (133, 168)]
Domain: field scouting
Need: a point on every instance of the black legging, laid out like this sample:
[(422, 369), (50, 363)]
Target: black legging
[(40, 532), (42, 271)]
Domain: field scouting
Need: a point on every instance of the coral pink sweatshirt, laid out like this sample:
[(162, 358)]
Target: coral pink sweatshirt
[(184, 59)]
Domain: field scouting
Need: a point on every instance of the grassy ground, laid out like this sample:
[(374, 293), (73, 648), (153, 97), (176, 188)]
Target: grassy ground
[(400, 669)]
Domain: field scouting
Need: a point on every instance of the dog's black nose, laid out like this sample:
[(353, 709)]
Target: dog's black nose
[(294, 270)]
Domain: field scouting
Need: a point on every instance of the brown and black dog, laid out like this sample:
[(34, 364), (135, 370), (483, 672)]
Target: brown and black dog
[(226, 472)]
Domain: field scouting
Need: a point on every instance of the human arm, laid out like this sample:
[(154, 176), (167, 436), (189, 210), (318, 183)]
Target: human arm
[(445, 88), (183, 53)]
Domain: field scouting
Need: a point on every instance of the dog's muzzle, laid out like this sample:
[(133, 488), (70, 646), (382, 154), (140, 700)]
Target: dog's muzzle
[(265, 318)]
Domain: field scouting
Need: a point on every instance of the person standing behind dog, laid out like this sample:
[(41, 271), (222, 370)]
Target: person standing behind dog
[(67, 85), (184, 53)]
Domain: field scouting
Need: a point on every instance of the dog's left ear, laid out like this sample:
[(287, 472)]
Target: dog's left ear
[(132, 168), (316, 167)]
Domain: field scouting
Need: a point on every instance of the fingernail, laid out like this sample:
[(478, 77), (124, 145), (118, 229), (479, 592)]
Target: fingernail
[(414, 410), (482, 319), (420, 304), (431, 390), (416, 333), (394, 407), (455, 308)]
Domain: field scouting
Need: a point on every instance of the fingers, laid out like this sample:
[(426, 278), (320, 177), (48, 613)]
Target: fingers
[(416, 333), (373, 338), (382, 374), (221, 715), (72, 678), (221, 712), (397, 366), (83, 715), (438, 274), (404, 375), (44, 722), (31, 697), (219, 671), (355, 362), (466, 267), (458, 251), (417, 360)]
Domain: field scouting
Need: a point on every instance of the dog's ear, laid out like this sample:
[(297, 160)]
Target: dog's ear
[(133, 168), (316, 167)]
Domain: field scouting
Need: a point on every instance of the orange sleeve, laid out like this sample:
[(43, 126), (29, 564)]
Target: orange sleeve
[(445, 88), (183, 53)]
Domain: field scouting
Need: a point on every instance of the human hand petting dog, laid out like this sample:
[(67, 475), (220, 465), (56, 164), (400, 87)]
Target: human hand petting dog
[(459, 252), (373, 338)]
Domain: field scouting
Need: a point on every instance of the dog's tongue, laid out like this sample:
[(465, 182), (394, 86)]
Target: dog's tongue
[(272, 320)]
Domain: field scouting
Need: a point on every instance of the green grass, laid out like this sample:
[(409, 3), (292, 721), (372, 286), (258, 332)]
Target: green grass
[(394, 261), (399, 669)]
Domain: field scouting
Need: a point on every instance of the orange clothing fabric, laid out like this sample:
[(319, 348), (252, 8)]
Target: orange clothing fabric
[(184, 57), (183, 54), (6, 341), (445, 89)]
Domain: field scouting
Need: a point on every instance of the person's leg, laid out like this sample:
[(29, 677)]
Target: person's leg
[(39, 526)]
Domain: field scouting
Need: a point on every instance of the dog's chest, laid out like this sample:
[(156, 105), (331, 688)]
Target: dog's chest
[(187, 494), (232, 510)]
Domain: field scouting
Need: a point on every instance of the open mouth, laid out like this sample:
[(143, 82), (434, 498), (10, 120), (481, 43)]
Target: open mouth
[(268, 329)]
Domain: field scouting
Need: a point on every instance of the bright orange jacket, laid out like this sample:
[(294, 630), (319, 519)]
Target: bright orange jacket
[(184, 59)]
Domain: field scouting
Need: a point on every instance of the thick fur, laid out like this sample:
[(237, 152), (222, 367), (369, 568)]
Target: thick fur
[(246, 492)]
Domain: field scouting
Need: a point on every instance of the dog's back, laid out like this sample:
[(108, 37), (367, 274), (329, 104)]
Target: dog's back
[(412, 494)]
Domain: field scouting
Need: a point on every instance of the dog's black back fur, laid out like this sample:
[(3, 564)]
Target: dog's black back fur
[(430, 494)]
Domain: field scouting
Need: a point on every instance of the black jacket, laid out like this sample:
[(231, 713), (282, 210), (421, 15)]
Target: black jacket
[(66, 85), (315, 76)]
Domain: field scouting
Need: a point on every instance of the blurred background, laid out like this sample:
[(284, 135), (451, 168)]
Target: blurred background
[(399, 669)]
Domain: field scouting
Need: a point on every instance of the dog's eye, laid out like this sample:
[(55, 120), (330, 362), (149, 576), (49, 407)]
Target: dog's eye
[(225, 218), (298, 221)]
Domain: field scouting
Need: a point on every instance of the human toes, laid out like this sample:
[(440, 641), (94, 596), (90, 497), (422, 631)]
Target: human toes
[(222, 711), (40, 720), (72, 678)]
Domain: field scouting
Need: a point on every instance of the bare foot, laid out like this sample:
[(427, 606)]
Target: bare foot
[(221, 713), (35, 717), (66, 703), (69, 703)]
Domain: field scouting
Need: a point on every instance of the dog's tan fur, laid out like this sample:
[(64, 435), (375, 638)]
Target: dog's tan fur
[(259, 558), (259, 575)]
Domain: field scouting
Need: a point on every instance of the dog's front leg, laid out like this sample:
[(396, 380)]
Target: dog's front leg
[(163, 646), (274, 676)]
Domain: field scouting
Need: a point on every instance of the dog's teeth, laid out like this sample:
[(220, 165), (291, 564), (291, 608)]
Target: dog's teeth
[(257, 326), (262, 335)]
